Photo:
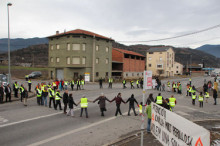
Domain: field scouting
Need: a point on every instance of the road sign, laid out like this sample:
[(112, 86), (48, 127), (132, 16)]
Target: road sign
[(148, 79)]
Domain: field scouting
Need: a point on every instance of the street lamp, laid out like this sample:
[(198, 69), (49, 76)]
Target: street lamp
[(9, 58)]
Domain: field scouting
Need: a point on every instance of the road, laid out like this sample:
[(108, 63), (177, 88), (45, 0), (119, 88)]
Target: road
[(38, 125)]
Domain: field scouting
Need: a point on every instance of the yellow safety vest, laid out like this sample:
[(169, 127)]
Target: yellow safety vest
[(66, 83), (29, 81), (54, 84), (57, 97), (207, 94), (172, 101), (84, 103), (201, 98), (82, 82), (40, 92), (140, 109), (51, 95), (193, 96), (16, 86), (159, 100), (137, 82), (168, 84)]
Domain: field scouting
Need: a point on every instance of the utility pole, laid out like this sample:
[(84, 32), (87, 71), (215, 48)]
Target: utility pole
[(93, 60), (9, 50)]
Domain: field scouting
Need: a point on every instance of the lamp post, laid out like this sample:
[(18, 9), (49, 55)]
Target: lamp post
[(9, 58)]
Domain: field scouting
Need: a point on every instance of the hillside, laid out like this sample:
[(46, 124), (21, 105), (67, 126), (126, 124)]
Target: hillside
[(20, 43), (36, 55), (211, 49), (182, 54)]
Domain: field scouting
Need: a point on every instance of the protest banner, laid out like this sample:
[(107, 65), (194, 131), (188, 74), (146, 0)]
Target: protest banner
[(173, 130)]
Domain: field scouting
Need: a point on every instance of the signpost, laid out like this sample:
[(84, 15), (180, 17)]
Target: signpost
[(87, 77), (147, 85), (173, 130)]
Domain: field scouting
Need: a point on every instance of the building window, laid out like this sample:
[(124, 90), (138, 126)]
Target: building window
[(51, 59), (84, 47), (137, 74), (126, 75), (76, 60), (160, 58), (106, 49), (160, 52), (68, 60), (159, 66), (177, 72), (58, 47), (106, 61), (51, 47), (97, 74), (106, 74), (149, 58), (76, 47), (149, 65), (68, 46), (58, 59), (84, 60), (97, 60), (151, 52), (132, 74), (177, 67), (97, 48)]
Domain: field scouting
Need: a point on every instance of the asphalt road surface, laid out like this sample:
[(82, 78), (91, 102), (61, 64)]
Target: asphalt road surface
[(39, 125)]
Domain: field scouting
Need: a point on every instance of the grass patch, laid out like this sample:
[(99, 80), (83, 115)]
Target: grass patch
[(25, 68)]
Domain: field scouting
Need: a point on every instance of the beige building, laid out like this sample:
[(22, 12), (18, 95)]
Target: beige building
[(161, 61), (178, 68)]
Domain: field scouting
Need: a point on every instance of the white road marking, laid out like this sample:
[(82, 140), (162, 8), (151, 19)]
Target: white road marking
[(3, 120), (73, 131), (27, 120), (182, 113)]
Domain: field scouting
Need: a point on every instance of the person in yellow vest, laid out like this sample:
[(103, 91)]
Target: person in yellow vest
[(26, 77), (137, 83), (132, 84), (51, 92), (84, 105), (140, 107), (168, 86), (174, 87), (190, 81), (187, 89), (49, 85), (29, 85), (39, 95), (190, 90), (15, 88), (110, 81), (193, 98), (201, 98), (72, 84), (207, 96), (65, 85), (58, 97), (159, 99), (172, 102), (78, 84), (124, 84), (82, 84), (54, 85), (22, 92)]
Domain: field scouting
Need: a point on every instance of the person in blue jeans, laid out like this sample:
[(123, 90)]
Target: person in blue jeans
[(44, 96), (148, 111)]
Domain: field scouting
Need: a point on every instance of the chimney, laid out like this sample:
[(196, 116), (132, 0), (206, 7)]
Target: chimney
[(57, 32)]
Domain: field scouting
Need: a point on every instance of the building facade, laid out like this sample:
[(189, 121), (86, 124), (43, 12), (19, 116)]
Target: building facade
[(161, 61), (79, 53), (127, 64), (178, 68)]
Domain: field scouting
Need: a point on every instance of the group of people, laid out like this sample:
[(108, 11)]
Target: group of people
[(63, 85)]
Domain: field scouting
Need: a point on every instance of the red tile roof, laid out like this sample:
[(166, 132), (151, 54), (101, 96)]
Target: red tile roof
[(80, 31), (128, 52)]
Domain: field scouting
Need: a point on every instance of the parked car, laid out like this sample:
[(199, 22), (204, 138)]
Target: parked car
[(3, 79), (35, 74)]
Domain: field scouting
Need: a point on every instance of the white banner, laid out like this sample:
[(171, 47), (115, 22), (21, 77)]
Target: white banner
[(173, 130), (148, 79), (87, 77)]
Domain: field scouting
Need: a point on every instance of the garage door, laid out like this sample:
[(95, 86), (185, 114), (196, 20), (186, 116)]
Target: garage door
[(59, 74)]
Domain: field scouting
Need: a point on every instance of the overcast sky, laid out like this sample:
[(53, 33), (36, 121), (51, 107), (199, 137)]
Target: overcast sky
[(122, 20)]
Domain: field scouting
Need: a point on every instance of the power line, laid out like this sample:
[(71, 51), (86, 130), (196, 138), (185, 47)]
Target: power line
[(192, 33)]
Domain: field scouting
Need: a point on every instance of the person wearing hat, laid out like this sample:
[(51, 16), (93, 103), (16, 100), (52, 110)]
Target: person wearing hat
[(101, 101), (84, 104)]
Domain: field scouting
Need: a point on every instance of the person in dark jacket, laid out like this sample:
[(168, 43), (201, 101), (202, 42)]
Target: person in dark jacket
[(131, 101), (205, 88), (101, 101), (1, 93), (100, 83), (44, 96), (71, 103), (215, 95), (65, 101), (150, 98), (25, 96), (8, 93), (166, 104), (118, 101)]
